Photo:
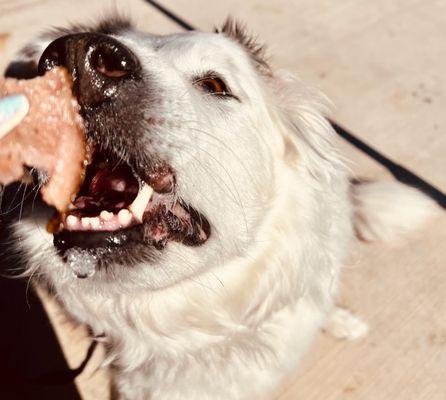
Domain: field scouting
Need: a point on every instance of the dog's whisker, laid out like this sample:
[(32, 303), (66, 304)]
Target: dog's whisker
[(227, 148), (196, 279), (13, 200), (219, 254), (234, 191), (21, 205)]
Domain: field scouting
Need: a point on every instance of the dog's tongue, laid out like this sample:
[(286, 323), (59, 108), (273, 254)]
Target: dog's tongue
[(50, 138)]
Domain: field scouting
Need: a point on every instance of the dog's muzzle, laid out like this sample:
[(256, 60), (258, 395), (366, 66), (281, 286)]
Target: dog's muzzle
[(97, 63), (129, 196)]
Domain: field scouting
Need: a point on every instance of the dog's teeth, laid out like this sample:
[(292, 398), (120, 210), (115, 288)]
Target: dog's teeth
[(140, 203), (105, 215), (95, 223), (85, 221), (72, 221), (124, 217)]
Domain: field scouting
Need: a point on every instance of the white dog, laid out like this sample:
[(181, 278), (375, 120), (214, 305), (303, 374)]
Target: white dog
[(214, 286)]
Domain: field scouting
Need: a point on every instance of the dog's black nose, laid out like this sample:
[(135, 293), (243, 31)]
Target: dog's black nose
[(98, 64)]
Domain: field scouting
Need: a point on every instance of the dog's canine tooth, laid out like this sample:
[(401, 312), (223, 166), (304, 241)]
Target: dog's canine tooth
[(139, 205)]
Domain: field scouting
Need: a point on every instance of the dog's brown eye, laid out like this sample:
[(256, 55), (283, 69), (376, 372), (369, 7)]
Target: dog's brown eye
[(213, 85)]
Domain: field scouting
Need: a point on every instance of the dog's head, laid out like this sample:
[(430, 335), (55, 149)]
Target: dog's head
[(198, 117)]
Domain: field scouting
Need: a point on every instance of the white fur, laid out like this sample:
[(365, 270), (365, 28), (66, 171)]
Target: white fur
[(230, 319), (388, 211), (342, 324)]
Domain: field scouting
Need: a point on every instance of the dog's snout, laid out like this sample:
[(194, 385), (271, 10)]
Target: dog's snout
[(98, 64)]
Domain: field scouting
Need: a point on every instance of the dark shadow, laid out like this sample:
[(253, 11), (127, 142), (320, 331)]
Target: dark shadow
[(32, 365)]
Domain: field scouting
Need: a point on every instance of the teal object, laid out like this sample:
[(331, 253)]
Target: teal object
[(13, 109)]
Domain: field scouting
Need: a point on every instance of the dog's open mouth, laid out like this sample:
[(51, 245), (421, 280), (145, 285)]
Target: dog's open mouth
[(114, 207)]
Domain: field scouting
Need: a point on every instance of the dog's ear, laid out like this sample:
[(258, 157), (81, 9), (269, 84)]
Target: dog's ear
[(236, 31), (300, 115)]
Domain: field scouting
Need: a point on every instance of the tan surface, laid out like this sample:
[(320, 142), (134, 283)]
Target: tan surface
[(382, 62)]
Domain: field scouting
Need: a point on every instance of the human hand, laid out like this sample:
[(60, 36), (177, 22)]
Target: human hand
[(13, 109)]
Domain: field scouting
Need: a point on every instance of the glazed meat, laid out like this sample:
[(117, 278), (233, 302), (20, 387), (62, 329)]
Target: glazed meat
[(50, 138)]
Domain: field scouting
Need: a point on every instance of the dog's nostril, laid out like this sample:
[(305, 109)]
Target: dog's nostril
[(112, 61), (109, 67)]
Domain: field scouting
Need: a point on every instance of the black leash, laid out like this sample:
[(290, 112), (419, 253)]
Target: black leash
[(169, 14), (400, 173)]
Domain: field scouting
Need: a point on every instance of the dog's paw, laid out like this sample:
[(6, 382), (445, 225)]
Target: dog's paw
[(342, 324)]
